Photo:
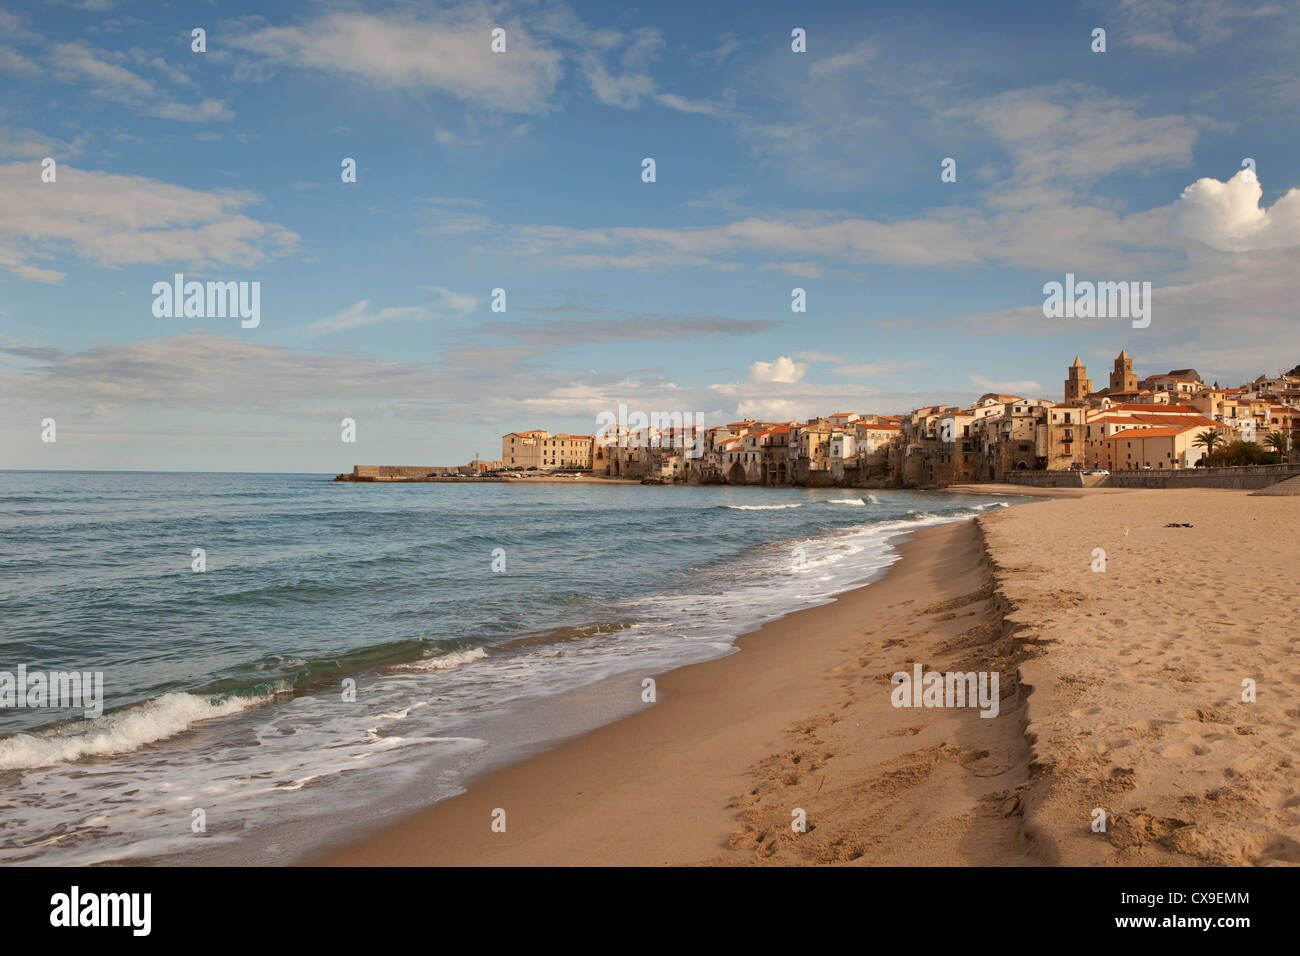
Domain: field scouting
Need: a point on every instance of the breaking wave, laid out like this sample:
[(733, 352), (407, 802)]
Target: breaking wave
[(120, 732)]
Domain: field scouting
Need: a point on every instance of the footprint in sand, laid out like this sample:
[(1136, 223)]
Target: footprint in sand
[(1184, 748)]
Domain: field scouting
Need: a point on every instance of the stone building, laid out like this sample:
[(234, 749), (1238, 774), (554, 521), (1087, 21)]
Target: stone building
[(539, 450), (1078, 386)]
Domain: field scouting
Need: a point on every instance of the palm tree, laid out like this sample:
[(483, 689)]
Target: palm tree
[(1209, 440), (1278, 442)]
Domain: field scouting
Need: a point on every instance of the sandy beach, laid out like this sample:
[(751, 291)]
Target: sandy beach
[(1137, 674), (1120, 689), (800, 718)]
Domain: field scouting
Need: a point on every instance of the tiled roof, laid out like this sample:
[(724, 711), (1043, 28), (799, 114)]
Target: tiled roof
[(1150, 432)]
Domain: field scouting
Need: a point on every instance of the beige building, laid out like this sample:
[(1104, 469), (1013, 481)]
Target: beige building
[(542, 451), (809, 451), (1159, 449), (1066, 446)]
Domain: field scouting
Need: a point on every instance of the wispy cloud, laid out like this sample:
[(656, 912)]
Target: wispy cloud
[(553, 333), (363, 313), (112, 220), (446, 52), (1019, 387), (104, 75), (1184, 27)]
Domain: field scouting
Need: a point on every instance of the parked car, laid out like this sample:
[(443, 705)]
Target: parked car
[(1096, 471)]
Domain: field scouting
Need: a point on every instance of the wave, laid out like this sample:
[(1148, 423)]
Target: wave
[(284, 673), (848, 501), (761, 507), (445, 662), (561, 635), (121, 732)]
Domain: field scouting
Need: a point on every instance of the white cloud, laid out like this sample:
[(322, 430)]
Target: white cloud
[(1045, 236), (694, 107), (624, 90), (19, 143), (107, 78), (11, 61), (1228, 215), (728, 44), (447, 53), (1023, 387), (361, 313), (114, 220), (628, 87), (783, 370), (1070, 134), (857, 58), (774, 410), (886, 369), (1182, 27), (808, 270)]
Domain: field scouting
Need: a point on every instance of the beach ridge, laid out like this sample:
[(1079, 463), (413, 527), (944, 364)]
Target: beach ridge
[(1158, 699)]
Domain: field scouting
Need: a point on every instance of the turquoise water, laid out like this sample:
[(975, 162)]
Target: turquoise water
[(224, 689)]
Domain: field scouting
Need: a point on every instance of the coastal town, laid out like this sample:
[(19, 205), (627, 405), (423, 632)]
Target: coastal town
[(1163, 422)]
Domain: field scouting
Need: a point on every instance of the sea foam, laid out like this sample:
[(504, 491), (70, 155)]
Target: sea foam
[(120, 732)]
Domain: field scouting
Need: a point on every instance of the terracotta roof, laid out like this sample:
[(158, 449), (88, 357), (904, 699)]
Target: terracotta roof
[(1129, 433), (1159, 409), (1170, 420)]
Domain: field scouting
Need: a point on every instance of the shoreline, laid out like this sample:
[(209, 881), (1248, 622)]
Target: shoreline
[(712, 772), (1122, 691)]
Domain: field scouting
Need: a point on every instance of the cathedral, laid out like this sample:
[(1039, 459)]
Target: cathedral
[(1123, 381), (1078, 386)]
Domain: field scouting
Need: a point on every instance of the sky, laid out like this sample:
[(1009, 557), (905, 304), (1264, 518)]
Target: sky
[(1170, 157)]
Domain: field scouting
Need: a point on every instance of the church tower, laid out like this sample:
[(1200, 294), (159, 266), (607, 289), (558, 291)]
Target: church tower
[(1078, 386), (1123, 378)]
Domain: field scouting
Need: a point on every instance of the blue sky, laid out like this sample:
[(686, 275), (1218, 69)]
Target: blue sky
[(522, 170)]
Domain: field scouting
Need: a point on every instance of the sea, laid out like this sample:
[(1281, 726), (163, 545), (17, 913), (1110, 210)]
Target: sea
[(286, 659)]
